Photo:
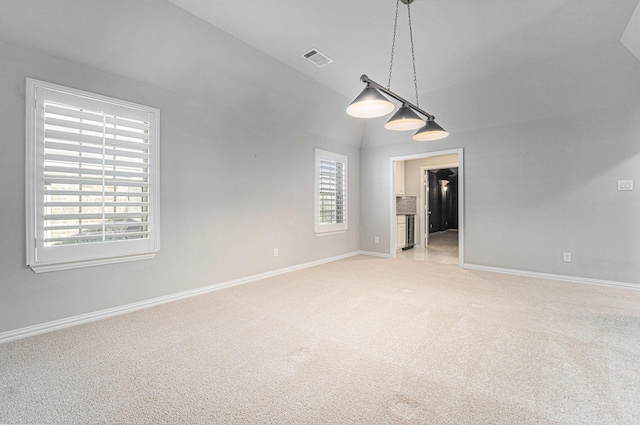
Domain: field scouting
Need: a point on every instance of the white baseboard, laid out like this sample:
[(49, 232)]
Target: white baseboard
[(375, 254), (129, 308), (550, 276)]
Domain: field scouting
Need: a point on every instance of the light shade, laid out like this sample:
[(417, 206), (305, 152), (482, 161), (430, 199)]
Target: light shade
[(404, 119), (431, 131), (370, 104)]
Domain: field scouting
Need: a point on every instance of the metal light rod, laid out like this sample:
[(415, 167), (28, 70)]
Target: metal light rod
[(366, 79)]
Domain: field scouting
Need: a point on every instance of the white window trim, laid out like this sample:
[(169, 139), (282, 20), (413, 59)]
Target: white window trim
[(336, 228), (83, 255)]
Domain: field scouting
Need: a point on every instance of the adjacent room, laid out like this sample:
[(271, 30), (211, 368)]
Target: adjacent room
[(201, 225)]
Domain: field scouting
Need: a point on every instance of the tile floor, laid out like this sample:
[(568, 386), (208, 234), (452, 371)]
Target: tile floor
[(442, 248)]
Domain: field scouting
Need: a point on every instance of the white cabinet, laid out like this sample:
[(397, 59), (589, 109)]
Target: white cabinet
[(401, 231), (398, 177)]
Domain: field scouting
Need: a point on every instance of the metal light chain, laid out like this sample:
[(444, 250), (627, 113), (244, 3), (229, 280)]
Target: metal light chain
[(413, 55), (393, 44)]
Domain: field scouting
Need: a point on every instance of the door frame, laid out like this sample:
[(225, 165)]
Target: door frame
[(392, 196), (423, 200)]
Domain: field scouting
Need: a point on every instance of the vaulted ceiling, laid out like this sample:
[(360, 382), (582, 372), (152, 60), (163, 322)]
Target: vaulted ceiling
[(456, 41), (480, 64)]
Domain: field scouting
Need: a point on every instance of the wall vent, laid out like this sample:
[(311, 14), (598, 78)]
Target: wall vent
[(317, 58)]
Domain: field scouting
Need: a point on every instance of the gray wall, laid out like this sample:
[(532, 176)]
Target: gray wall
[(544, 146), (238, 132)]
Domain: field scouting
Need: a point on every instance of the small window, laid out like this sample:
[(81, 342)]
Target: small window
[(92, 179), (331, 193)]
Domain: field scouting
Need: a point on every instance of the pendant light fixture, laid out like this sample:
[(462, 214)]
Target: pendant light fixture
[(404, 119), (430, 132), (371, 103)]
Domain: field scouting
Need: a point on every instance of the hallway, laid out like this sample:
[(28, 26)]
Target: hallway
[(443, 249)]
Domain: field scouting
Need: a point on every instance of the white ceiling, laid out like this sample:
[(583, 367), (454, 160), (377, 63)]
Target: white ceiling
[(456, 41)]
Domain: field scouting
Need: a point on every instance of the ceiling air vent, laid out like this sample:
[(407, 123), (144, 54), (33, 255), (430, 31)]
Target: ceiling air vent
[(319, 59)]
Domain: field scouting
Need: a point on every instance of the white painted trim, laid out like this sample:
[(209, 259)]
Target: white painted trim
[(129, 308), (42, 268), (337, 232), (461, 207), (393, 223), (422, 204), (549, 276), (375, 254), (425, 154)]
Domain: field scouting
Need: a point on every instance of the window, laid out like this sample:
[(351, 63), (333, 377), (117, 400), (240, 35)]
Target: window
[(92, 179), (331, 193)]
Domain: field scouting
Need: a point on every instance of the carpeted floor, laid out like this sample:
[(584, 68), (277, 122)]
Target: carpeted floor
[(358, 341)]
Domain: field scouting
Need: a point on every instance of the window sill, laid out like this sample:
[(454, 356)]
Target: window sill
[(331, 232), (52, 267)]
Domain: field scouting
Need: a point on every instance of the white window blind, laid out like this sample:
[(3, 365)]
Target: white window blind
[(331, 195), (94, 179)]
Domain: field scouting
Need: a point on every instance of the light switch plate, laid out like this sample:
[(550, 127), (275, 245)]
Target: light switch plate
[(625, 184)]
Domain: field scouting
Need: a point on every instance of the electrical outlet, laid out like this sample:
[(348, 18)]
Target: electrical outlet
[(377, 239), (566, 257), (275, 252), (625, 184)]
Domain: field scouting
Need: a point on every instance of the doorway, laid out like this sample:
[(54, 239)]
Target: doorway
[(441, 215), (439, 236), (440, 196)]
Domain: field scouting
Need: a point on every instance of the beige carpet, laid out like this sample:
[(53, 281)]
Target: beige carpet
[(358, 341)]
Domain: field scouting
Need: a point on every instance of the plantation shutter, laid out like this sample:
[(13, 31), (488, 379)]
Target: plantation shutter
[(94, 177), (332, 192)]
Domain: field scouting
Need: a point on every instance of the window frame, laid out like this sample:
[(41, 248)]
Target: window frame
[(324, 229), (41, 258)]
